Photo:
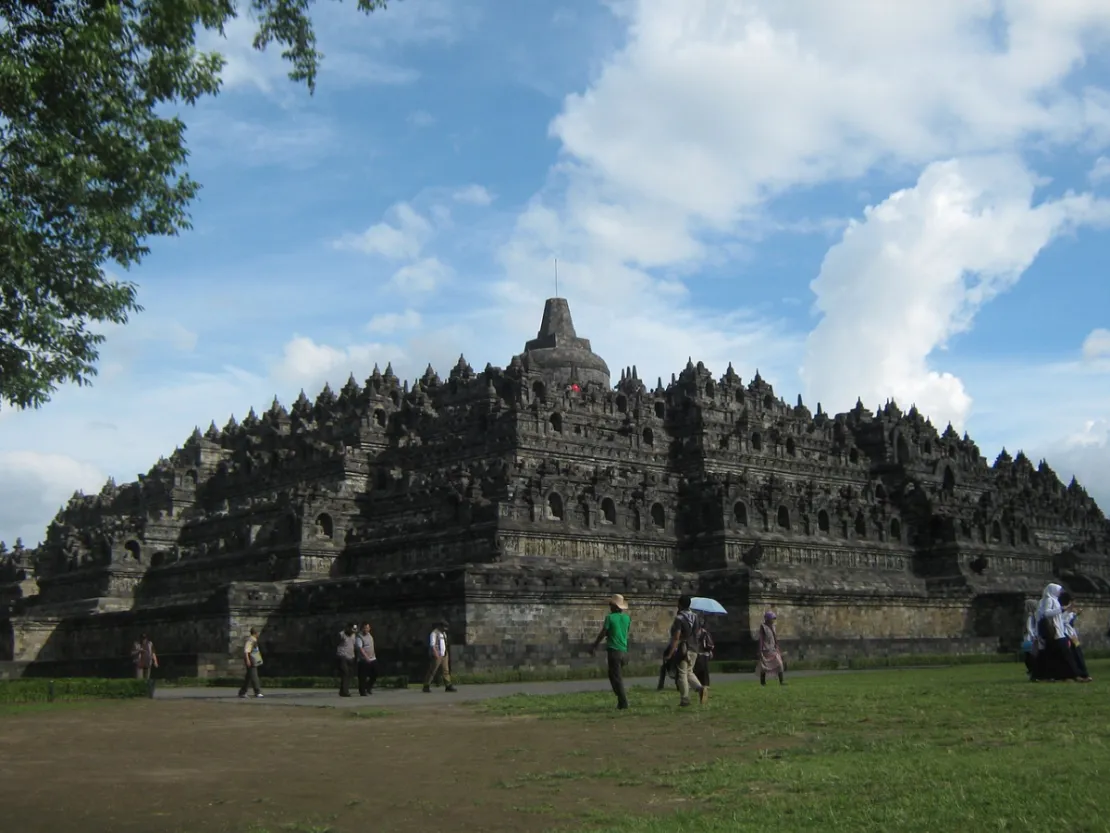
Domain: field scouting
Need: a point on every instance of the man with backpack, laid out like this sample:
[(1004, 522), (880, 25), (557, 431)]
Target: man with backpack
[(705, 653), (683, 650)]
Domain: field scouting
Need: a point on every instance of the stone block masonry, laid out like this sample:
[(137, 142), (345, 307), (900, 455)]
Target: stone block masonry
[(513, 501)]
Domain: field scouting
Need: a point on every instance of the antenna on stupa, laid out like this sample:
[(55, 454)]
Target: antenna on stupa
[(556, 277)]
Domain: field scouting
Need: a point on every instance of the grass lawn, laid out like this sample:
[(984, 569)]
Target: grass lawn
[(965, 748)]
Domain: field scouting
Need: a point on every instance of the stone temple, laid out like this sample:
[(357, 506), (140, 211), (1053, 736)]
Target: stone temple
[(512, 502)]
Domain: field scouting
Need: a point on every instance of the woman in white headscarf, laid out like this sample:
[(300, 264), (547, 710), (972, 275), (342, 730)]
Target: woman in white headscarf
[(1059, 662), (1031, 645)]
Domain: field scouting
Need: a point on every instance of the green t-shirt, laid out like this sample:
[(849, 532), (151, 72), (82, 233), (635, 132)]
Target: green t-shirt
[(616, 629)]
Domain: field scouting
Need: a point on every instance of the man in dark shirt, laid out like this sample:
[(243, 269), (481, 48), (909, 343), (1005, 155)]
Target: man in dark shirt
[(614, 629), (684, 650)]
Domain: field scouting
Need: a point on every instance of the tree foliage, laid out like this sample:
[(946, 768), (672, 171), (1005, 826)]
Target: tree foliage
[(91, 168)]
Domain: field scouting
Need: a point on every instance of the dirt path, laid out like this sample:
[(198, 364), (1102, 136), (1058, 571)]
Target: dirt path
[(179, 765)]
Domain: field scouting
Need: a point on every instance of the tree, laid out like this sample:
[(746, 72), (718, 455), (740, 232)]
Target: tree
[(89, 169)]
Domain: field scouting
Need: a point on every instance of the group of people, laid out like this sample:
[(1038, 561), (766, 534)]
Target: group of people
[(355, 658), (1051, 647), (686, 657)]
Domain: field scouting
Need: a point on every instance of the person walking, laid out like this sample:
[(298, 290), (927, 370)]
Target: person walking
[(252, 659), (367, 661), (683, 649), (144, 658), (770, 657), (438, 659), (706, 646), (614, 630), (345, 658)]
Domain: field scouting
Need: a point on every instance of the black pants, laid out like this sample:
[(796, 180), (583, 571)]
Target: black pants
[(617, 660), (367, 676), (346, 666), (250, 680), (1080, 662), (701, 669)]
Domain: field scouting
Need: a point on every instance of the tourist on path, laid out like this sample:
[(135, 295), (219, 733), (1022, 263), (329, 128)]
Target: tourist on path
[(367, 661), (345, 659), (683, 650), (144, 658), (1031, 644), (770, 657), (614, 630), (252, 659), (438, 659), (1058, 661), (705, 653), (1070, 615)]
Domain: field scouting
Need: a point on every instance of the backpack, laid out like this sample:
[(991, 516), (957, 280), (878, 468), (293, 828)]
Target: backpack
[(705, 641)]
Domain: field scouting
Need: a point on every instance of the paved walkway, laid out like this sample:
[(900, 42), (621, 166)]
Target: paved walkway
[(414, 698)]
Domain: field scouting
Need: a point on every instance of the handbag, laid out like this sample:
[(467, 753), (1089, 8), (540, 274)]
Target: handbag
[(256, 658)]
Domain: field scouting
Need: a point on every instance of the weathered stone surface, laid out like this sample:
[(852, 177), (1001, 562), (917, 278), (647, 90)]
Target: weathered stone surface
[(513, 501)]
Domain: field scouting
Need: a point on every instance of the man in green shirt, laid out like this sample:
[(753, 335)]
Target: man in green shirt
[(614, 630)]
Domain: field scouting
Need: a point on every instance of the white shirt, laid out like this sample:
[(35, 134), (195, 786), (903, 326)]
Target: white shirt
[(438, 643)]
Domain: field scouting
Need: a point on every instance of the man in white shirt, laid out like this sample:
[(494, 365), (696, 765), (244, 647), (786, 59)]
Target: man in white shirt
[(437, 658)]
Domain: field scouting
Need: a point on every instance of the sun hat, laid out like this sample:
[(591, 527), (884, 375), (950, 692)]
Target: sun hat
[(618, 601)]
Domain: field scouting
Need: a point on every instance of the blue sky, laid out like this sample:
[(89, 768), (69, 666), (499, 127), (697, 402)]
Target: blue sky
[(858, 198)]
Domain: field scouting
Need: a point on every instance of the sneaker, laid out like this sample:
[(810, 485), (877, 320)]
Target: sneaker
[(427, 689), (684, 702), (450, 688), (260, 695), (243, 696)]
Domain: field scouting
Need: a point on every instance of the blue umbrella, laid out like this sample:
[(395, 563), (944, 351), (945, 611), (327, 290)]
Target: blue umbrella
[(704, 605)]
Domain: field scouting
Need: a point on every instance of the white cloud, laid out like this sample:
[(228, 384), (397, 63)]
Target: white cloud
[(393, 322), (1097, 344), (473, 195), (421, 118), (402, 241), (916, 271), (306, 363), (34, 485), (1100, 171), (421, 276)]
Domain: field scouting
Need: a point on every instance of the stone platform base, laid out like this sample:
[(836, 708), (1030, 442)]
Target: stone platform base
[(515, 616)]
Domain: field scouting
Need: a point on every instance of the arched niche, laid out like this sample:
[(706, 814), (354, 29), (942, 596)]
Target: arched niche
[(823, 521), (608, 511), (901, 451), (791, 448), (539, 391), (757, 442), (660, 410), (740, 513), (949, 480), (895, 529), (191, 479), (861, 525), (649, 437), (622, 404), (556, 421), (634, 522), (134, 551), (783, 518), (996, 532), (658, 516), (379, 417), (554, 507), (1024, 534), (325, 527)]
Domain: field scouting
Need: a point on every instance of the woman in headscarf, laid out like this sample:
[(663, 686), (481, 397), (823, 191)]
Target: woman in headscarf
[(1059, 662), (1031, 643), (1070, 615), (770, 657)]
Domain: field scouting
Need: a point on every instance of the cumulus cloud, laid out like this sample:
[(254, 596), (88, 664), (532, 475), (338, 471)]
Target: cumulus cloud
[(421, 276), (916, 271), (1100, 171), (421, 118), (309, 364), (392, 322), (473, 195), (32, 487), (1097, 344), (401, 241)]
